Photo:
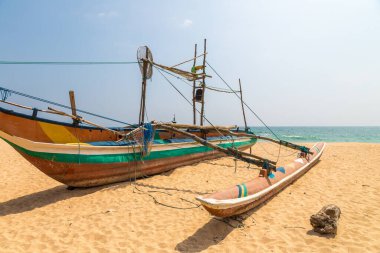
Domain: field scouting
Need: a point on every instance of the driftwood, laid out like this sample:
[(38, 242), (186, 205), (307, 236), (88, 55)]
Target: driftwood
[(326, 220)]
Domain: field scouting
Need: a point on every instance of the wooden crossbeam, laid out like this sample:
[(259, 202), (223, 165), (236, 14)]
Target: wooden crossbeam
[(235, 153)]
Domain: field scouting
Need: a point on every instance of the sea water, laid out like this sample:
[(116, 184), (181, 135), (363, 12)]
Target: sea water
[(325, 134)]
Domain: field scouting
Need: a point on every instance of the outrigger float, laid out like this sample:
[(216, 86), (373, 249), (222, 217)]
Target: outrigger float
[(85, 154), (243, 197)]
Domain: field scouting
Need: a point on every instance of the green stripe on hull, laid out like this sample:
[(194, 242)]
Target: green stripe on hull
[(245, 190), (122, 158), (239, 189)]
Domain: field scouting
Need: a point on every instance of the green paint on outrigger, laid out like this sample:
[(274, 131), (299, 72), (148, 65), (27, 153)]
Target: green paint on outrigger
[(243, 191)]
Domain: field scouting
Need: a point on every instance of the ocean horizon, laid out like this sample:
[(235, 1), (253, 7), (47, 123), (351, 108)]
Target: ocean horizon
[(365, 134)]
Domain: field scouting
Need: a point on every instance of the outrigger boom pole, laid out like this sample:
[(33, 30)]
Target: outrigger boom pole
[(280, 142), (231, 152), (228, 131)]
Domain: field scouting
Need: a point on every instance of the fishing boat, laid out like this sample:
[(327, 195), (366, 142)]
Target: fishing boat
[(243, 197), (85, 154), (92, 164)]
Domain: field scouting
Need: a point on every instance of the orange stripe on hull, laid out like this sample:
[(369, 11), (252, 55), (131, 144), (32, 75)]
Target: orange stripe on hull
[(40, 131)]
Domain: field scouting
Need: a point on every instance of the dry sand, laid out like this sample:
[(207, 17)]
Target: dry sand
[(38, 214)]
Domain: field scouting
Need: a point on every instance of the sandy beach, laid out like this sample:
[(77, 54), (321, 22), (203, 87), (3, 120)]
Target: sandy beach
[(160, 214)]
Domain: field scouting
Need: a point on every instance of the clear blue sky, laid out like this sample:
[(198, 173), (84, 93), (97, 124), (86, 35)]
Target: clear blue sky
[(301, 62)]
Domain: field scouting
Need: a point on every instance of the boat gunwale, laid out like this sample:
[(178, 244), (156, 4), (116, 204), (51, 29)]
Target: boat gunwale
[(80, 126), (64, 150), (19, 141), (30, 117)]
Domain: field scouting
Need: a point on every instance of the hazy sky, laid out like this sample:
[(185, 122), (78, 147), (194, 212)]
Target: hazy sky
[(306, 63)]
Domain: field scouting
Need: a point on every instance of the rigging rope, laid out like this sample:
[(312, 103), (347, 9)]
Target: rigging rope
[(191, 103), (4, 94), (217, 89), (66, 62), (257, 116), (180, 78), (220, 89), (64, 106)]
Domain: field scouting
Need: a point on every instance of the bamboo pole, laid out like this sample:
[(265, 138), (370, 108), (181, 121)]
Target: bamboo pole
[(26, 107), (143, 88), (279, 142), (227, 130), (189, 75), (242, 106), (73, 106), (250, 155), (200, 127), (194, 58), (17, 105), (236, 153), (79, 119), (194, 105), (203, 83)]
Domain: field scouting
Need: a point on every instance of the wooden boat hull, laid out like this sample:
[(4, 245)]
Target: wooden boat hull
[(83, 165), (241, 198), (42, 130), (49, 131)]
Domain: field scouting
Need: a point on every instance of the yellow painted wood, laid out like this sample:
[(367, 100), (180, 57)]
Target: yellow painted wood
[(57, 133)]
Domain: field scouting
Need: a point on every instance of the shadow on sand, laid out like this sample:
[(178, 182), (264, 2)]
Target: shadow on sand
[(210, 234), (328, 236), (42, 198), (154, 187), (215, 231), (61, 192)]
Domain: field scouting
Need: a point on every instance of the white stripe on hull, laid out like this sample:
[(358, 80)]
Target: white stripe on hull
[(85, 149)]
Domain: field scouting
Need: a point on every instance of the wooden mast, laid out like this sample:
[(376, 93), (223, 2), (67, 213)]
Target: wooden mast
[(194, 106), (73, 106), (143, 88), (203, 83), (242, 106)]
